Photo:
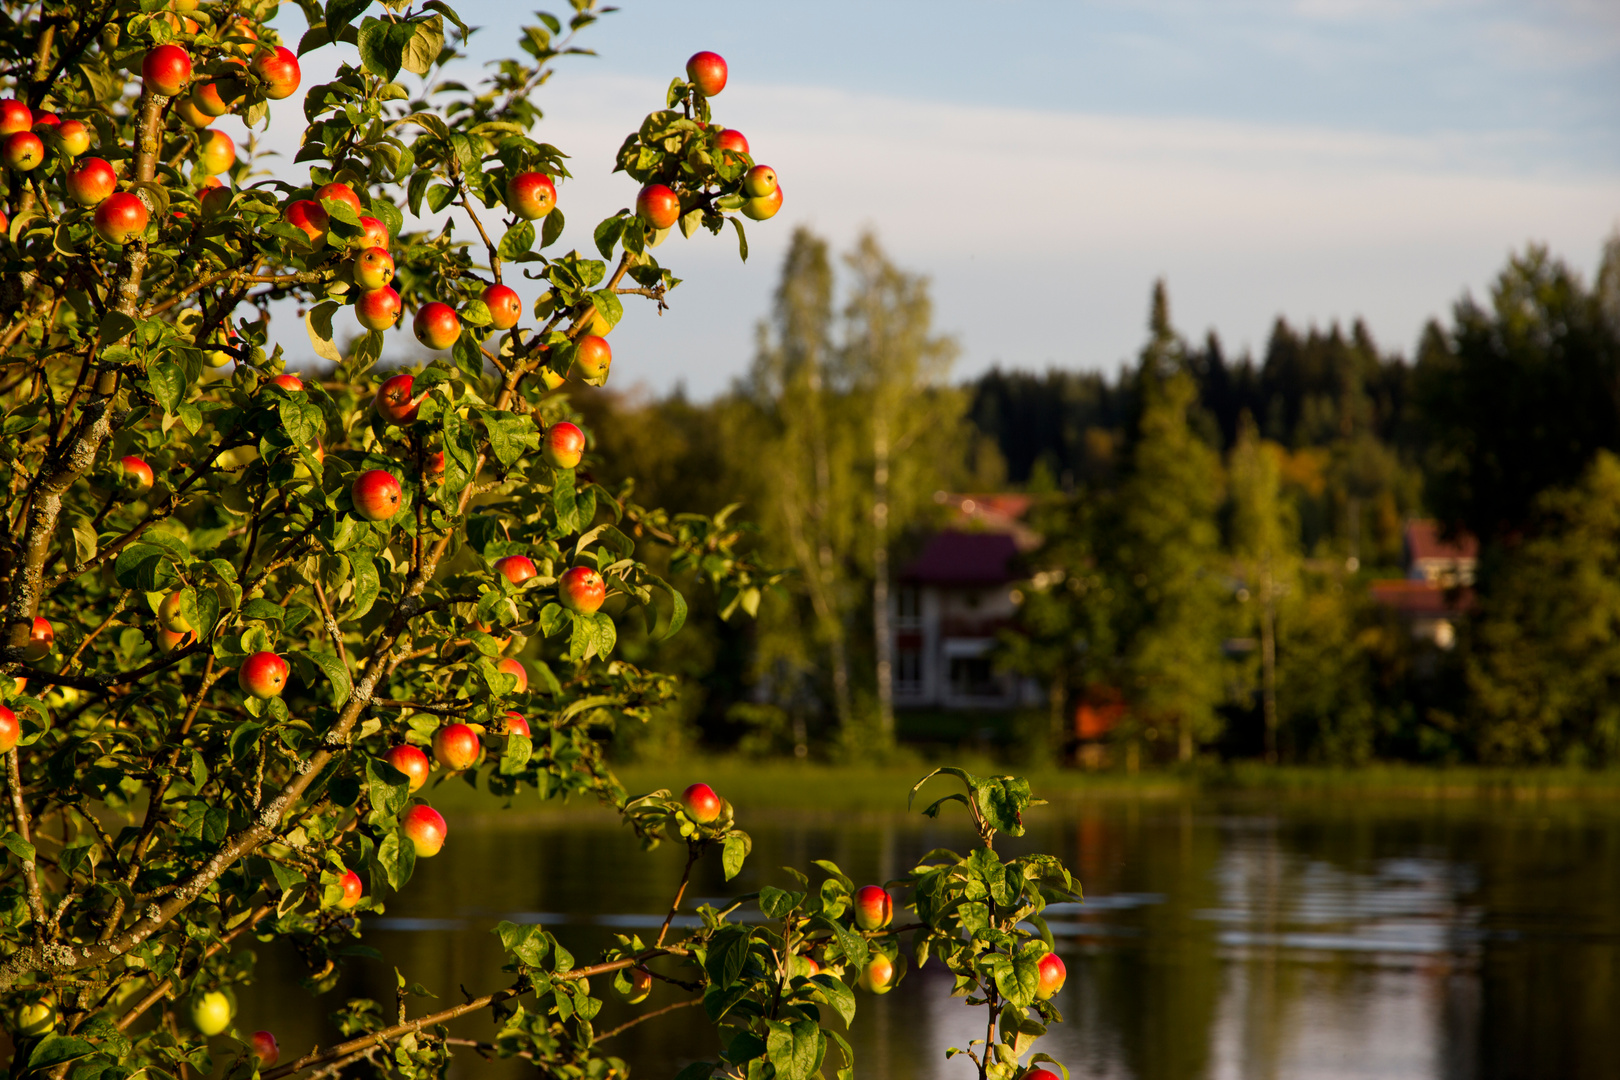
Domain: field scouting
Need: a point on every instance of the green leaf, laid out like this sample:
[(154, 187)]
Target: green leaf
[(510, 435), (608, 233), (397, 856), (776, 903), (18, 846), (518, 239), (367, 583), (53, 1050), (742, 237), (734, 851), (728, 953), (551, 227), (529, 943), (850, 943), (795, 1049), (838, 995), (1019, 979), (699, 1070), (318, 321), (677, 616), (562, 499), (387, 788), (335, 672)]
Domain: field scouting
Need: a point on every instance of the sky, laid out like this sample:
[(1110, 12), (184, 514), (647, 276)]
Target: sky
[(1042, 163)]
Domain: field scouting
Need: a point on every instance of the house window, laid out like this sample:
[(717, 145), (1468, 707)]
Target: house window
[(971, 676), (908, 671)]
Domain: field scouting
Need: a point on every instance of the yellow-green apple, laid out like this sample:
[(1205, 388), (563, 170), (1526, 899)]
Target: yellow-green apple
[(563, 445), (1052, 976), (505, 307), (596, 323), (701, 804), (531, 195), (240, 28), (707, 71), (759, 181), (15, 116), (221, 357), (216, 152), (23, 151), (595, 356), (874, 907), (377, 309), (376, 495), (170, 616), (288, 382), (433, 467), (193, 115), (373, 268), (311, 217), (73, 137), (658, 206), (166, 70), (216, 199), (731, 143), (436, 325), (515, 724), (169, 640), (279, 70), (581, 589), (501, 640), (394, 402), (206, 99), (353, 889), (264, 675), (516, 568), (410, 761), (877, 974), (92, 182), (765, 207), (37, 1018), (374, 233), (265, 1048), (640, 982), (515, 669), (211, 1012), (550, 378), (11, 730), (136, 472), (455, 746), (424, 827), (339, 192)]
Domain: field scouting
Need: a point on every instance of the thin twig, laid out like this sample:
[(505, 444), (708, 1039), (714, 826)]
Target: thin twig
[(644, 1017)]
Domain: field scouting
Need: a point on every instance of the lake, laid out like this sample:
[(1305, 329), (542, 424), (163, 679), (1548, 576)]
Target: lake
[(1308, 937)]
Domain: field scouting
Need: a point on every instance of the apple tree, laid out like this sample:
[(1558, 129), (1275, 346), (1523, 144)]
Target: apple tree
[(250, 615)]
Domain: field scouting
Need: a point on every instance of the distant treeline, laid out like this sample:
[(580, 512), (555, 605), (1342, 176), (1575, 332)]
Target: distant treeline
[(1189, 501)]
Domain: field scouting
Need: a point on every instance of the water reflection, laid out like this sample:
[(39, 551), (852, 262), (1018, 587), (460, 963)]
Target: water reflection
[(1220, 938)]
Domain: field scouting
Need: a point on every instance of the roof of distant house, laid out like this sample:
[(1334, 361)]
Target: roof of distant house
[(1001, 512), (1421, 600), (960, 558), (1423, 541)]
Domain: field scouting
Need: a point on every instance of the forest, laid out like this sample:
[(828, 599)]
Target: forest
[(1210, 525)]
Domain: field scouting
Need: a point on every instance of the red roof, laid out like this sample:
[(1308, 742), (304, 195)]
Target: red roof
[(1423, 542), (1420, 600), (956, 558)]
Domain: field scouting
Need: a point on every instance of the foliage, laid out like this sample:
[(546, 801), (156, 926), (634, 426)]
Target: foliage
[(177, 526)]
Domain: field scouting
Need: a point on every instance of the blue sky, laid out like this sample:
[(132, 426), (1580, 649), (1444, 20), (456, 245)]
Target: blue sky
[(1044, 162)]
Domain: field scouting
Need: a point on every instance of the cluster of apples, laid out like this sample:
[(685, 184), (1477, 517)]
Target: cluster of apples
[(660, 207)]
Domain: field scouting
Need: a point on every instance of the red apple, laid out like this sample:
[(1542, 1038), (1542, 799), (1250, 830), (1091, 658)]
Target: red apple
[(120, 218), (701, 804), (376, 495), (166, 70), (92, 182), (206, 99), (658, 206), (877, 975), (353, 889), (1041, 1074), (531, 195), (337, 192), (265, 1048), (515, 669), (410, 761), (216, 153), (169, 614), (15, 116), (581, 589), (874, 907), (516, 724), (516, 568), (455, 746), (731, 142), (393, 401), (242, 29), (136, 472), (707, 71), (436, 325), (375, 234), (23, 151), (505, 307), (279, 70), (263, 675), (45, 121), (10, 730), (1053, 973), (373, 268), (378, 309), (595, 357), (288, 382), (169, 641), (763, 208), (759, 181), (424, 827), (311, 217), (73, 137), (563, 445), (433, 469), (39, 640)]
